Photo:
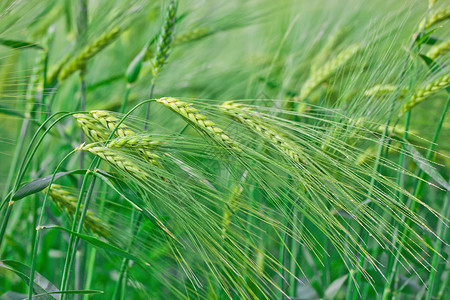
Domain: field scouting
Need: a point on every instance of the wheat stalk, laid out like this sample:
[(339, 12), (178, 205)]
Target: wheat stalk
[(189, 112), (435, 17), (245, 115), (439, 50), (79, 61), (329, 68), (65, 200), (423, 92)]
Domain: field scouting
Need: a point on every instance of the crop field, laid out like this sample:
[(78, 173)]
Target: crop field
[(224, 149)]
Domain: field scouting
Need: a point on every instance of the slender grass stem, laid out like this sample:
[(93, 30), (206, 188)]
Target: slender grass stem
[(441, 232), (418, 193), (21, 173), (38, 230), (73, 239), (125, 98)]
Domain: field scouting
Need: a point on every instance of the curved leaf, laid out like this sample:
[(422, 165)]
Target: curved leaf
[(41, 285), (19, 44), (40, 184)]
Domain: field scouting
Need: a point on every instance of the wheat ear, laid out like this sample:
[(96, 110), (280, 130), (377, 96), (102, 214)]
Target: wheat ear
[(245, 115), (422, 93), (94, 130), (65, 200), (192, 35), (164, 41), (198, 120), (383, 90), (232, 206), (140, 143), (79, 61), (435, 17), (439, 50), (110, 122), (331, 44), (99, 125), (329, 68), (116, 159)]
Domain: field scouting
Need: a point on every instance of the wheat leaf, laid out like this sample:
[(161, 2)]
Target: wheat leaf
[(41, 183)]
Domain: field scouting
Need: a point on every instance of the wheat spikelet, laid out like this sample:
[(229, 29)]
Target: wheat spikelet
[(164, 41), (329, 68), (439, 50), (198, 120), (243, 114), (116, 159), (79, 61), (382, 90), (422, 93), (65, 200), (435, 17)]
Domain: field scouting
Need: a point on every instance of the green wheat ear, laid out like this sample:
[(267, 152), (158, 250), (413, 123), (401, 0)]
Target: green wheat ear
[(435, 17), (330, 67), (423, 92), (87, 53), (164, 41), (65, 200), (198, 120), (116, 159), (98, 126), (439, 50), (244, 115), (383, 90)]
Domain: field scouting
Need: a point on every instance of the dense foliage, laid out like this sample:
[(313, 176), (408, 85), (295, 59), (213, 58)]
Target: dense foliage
[(224, 149)]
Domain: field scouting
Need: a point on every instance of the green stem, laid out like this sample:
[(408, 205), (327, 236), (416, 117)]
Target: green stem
[(418, 193), (441, 233), (93, 251), (125, 99), (121, 282), (38, 230), (73, 239), (25, 163)]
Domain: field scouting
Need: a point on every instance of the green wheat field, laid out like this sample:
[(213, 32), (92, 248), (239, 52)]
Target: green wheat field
[(224, 149)]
